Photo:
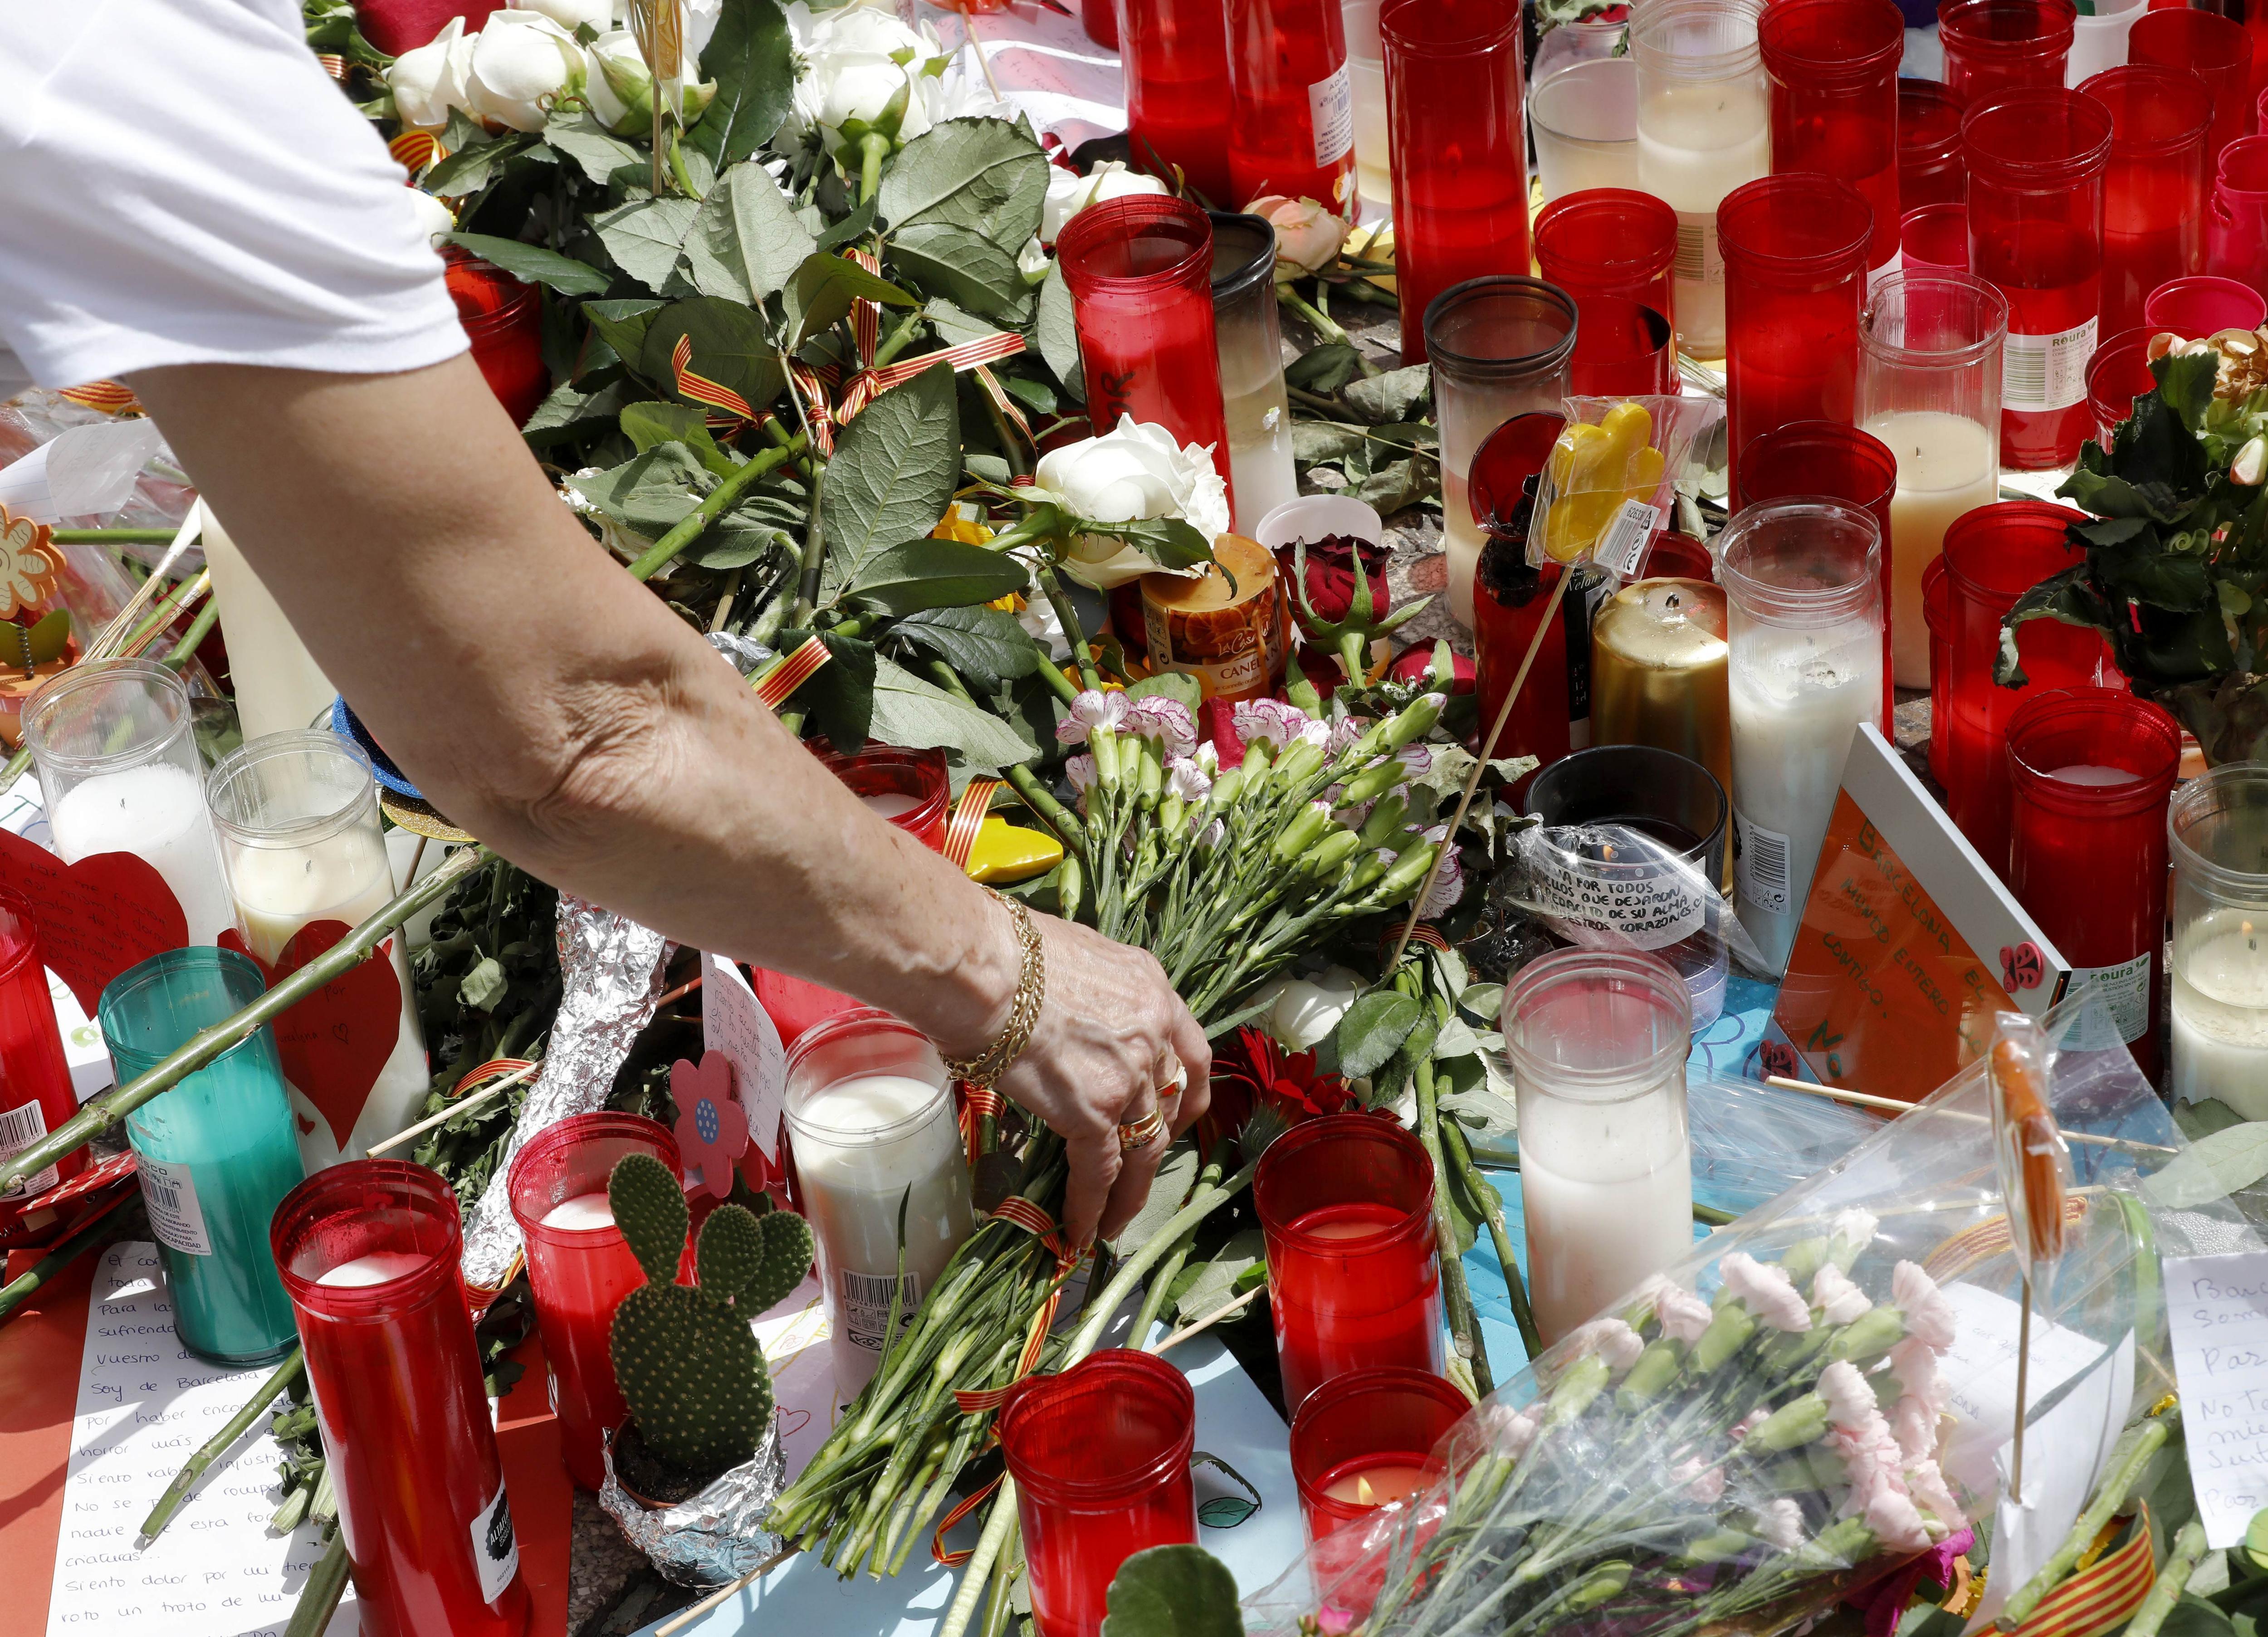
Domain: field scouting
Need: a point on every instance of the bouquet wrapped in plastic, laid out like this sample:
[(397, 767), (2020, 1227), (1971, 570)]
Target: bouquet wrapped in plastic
[(1821, 1393)]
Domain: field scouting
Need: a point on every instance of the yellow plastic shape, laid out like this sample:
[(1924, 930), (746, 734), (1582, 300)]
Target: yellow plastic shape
[(1005, 852), (1594, 469)]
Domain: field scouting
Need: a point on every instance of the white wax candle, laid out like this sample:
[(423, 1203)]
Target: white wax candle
[(1343, 1228), (157, 812), (891, 804), (1585, 118), (2220, 1017), (374, 1269), (1462, 540), (2085, 774), (1798, 695), (1379, 1486), (589, 1210), (1607, 1193), (1949, 465), (277, 684), (1696, 143)]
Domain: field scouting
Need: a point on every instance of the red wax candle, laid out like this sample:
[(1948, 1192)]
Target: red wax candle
[(36, 1083), (1996, 46), (1175, 57), (1930, 170), (1346, 1206), (1101, 1456), (2118, 375), (368, 1252), (503, 319), (2237, 220), (1140, 273), (2213, 48), (580, 1267), (1291, 116), (1459, 149), (1795, 281), (1509, 599), (1610, 241), (2092, 770), (2203, 306), (1834, 68), (2036, 163), (1935, 236), (1100, 20), (2152, 185), (1937, 609), (1992, 556), (1371, 1429), (1623, 349)]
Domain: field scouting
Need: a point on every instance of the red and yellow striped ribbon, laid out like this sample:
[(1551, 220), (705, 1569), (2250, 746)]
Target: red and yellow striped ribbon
[(978, 1103), (333, 64), (2100, 1598), (489, 1070), (955, 1559), (1989, 1238), (783, 678), (869, 384), (109, 396), (968, 819), (1426, 933), (737, 410), (414, 149)]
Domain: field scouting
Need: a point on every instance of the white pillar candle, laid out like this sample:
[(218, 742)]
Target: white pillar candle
[(277, 684), (2081, 774), (1607, 1189), (155, 812), (2220, 1013), (583, 1211), (1585, 119), (377, 1268), (891, 804), (1949, 465)]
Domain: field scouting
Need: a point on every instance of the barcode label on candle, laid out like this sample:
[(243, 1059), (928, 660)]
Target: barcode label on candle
[(496, 1547), (20, 1128), (864, 1305), (1760, 866), (171, 1194), (2046, 372), (1699, 261), (1625, 542), (1330, 107), (2124, 990)]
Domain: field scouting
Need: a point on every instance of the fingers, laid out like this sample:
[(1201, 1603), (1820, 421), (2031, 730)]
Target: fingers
[(1137, 1170), (1094, 1161), (1195, 1053)]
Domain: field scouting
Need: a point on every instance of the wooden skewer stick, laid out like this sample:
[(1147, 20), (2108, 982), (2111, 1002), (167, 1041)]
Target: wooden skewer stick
[(1891, 1105), (123, 621), (1228, 1310), (455, 1109)]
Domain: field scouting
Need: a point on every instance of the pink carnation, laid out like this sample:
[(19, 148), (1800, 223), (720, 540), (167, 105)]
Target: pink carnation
[(1515, 1432), (1929, 1315), (1913, 1423), (1704, 1483), (1927, 1486), (1914, 1362), (1080, 771), (1839, 1301), (1891, 1515), (1167, 721), (1090, 710), (1749, 1422), (1766, 1291), (1448, 886), (1274, 723), (1682, 1315), (1611, 1339), (1780, 1521), (1850, 1402)]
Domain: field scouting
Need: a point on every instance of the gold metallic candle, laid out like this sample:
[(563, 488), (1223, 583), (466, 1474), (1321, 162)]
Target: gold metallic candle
[(1658, 654)]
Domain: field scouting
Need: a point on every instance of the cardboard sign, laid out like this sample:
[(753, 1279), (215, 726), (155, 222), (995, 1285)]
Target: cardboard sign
[(1909, 944), (97, 916), (2218, 1309), (334, 1043)]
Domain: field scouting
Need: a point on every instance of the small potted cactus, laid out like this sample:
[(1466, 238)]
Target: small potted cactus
[(687, 1361)]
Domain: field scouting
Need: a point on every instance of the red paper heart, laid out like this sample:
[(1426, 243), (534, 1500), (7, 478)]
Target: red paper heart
[(97, 916), (335, 1042)]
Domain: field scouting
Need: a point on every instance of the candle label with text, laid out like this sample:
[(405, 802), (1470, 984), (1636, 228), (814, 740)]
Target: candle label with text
[(496, 1548), (1330, 106), (1650, 907), (170, 1193), (2126, 991), (1760, 866), (20, 1128), (866, 1304), (97, 916), (2046, 372), (1622, 547), (1699, 258)]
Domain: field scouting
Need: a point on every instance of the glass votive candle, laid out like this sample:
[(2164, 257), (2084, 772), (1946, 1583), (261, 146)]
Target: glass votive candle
[(1346, 1208), (1365, 1439), (872, 1126), (1499, 347), (2035, 163), (1598, 1040), (1257, 409), (1610, 241), (1291, 103), (2118, 373), (2092, 768), (1101, 1456), (503, 321), (1802, 581), (2203, 306), (120, 772), (1937, 610), (1834, 69), (1994, 46), (1659, 654), (1704, 128), (36, 1083), (1367, 75), (1459, 151), (1935, 238), (1175, 55), (301, 847), (1930, 170), (1795, 250), (580, 1267), (215, 1153), (2217, 51), (2237, 220), (1510, 597), (369, 1250), (1584, 114), (2153, 186), (1929, 392), (2218, 836), (1623, 349), (1993, 555), (2098, 40)]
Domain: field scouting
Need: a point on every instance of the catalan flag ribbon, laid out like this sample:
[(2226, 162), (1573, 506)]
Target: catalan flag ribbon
[(2102, 1595), (109, 396), (736, 411), (775, 685), (968, 819), (414, 149)]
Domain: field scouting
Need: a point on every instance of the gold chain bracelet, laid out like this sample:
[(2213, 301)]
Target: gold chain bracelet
[(985, 1068)]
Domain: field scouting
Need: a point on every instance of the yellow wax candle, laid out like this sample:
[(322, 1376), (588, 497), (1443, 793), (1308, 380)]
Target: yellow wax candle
[(1379, 1485)]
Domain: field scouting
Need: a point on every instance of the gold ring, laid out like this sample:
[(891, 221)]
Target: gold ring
[(1142, 1132)]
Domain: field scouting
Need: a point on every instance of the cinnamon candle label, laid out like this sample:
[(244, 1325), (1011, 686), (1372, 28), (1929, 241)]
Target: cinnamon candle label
[(170, 1192)]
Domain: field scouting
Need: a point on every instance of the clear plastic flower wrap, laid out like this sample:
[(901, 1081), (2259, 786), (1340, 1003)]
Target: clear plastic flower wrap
[(1612, 479), (1818, 1394)]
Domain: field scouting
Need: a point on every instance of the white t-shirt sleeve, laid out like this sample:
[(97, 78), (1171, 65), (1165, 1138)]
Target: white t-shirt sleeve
[(180, 183)]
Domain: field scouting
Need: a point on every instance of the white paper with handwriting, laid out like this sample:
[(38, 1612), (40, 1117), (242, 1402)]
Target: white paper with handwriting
[(145, 1405), (2218, 1308)]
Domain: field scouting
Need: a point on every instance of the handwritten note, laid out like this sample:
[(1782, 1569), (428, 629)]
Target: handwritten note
[(734, 1023), (2218, 1306), (1980, 1368), (145, 1403)]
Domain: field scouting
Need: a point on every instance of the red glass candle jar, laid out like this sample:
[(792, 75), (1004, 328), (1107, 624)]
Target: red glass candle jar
[(1674, 555), (2152, 185), (1100, 20), (580, 1267), (1842, 463), (398, 25), (2236, 218), (1509, 598), (1930, 169), (1346, 1206), (2036, 163), (1175, 57), (1366, 1439), (1610, 241), (369, 1254), (1834, 68), (1937, 610), (503, 319), (2118, 373), (1795, 282), (1101, 1456), (2092, 768), (1992, 556), (36, 1083), (1935, 236), (1140, 273), (1459, 149), (1291, 114), (2215, 50), (1995, 46), (1623, 349), (2203, 306)]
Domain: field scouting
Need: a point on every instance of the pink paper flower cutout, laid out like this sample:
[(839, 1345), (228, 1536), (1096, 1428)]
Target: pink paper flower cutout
[(712, 1128)]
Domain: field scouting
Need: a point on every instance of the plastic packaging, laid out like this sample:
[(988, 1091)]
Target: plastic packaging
[(1613, 475)]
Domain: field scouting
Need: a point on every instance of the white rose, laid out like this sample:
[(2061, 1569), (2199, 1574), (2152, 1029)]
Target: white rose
[(570, 15), (619, 90), (522, 63), (1305, 1011), (1308, 236), (860, 70), (1032, 261), (1130, 473), (1069, 193), (430, 81), (954, 95), (434, 217)]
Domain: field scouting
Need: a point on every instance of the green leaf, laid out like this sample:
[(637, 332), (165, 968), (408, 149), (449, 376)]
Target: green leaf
[(1323, 369), (2068, 598), (2212, 1166), (1236, 1267), (1173, 1592), (947, 259), (468, 168), (910, 714), (622, 325), (647, 239), (1167, 1191), (1400, 484), (929, 573), (952, 325), (752, 59), (596, 150), (571, 411), (652, 493), (985, 175), (822, 289), (2186, 385), (840, 695), (1168, 541), (1058, 333), (1179, 686), (2202, 1119), (986, 645), (533, 264), (2194, 1617), (1313, 441), (485, 985), (746, 241), (648, 426), (1372, 1031), (858, 225), (730, 347), (892, 475), (1391, 397)]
